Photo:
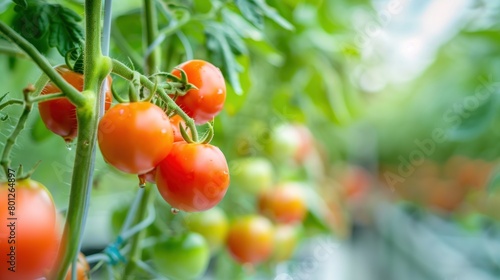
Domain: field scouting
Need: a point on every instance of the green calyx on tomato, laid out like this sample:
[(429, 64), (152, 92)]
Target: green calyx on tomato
[(182, 257), (193, 176), (135, 137), (59, 115)]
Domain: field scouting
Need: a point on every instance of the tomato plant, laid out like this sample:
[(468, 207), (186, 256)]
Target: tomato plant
[(135, 137), (28, 243), (193, 176), (284, 204), (59, 115), (212, 225), (182, 257), (205, 102), (250, 239)]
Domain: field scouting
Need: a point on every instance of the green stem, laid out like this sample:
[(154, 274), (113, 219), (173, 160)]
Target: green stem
[(73, 95), (12, 52), (123, 44), (47, 97), (96, 67), (127, 73), (150, 24), (11, 102), (9, 144), (136, 251)]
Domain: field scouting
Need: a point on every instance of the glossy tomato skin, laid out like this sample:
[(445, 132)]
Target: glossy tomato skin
[(59, 115), (250, 239), (204, 103), (35, 234), (193, 177), (82, 269), (135, 137), (284, 204), (212, 225), (183, 257)]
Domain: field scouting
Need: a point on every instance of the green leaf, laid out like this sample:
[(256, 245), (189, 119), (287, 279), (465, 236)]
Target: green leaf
[(251, 11), (477, 121), (21, 3), (235, 41), (273, 15), (49, 25), (241, 26), (221, 51), (65, 33)]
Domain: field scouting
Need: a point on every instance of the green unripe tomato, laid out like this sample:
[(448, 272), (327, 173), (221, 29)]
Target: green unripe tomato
[(286, 238), (284, 142), (183, 257), (252, 174), (211, 224)]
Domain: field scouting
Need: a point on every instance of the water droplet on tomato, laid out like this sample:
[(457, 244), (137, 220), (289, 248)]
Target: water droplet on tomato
[(69, 145), (142, 180), (175, 211), (220, 91)]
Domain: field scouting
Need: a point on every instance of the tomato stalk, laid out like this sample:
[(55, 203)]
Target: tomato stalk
[(135, 251), (11, 102), (150, 23), (96, 67), (12, 138), (27, 103), (71, 93)]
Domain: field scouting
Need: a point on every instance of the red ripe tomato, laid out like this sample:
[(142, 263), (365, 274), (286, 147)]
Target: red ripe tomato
[(204, 103), (135, 137), (284, 204), (250, 239), (30, 237), (82, 269), (193, 177), (59, 115)]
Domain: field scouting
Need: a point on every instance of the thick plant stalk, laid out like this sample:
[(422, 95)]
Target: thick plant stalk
[(96, 67)]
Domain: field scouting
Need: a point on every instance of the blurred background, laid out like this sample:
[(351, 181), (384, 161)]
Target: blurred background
[(386, 112)]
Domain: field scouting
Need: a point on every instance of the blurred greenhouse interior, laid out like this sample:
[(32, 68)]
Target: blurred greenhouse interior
[(384, 113)]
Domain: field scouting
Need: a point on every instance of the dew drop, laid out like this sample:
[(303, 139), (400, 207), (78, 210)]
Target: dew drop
[(174, 210), (69, 145), (142, 180)]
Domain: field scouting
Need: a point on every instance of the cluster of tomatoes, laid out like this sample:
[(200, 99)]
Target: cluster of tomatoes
[(140, 138), (137, 138)]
